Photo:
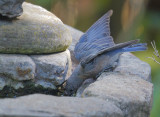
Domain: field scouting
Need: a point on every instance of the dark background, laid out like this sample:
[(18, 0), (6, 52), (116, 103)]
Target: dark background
[(131, 19)]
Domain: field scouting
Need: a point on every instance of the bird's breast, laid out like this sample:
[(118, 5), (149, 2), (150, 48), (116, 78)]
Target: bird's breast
[(101, 62), (96, 65)]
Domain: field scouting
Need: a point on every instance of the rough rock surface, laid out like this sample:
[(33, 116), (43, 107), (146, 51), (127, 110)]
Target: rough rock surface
[(76, 34), (36, 31), (53, 69), (130, 64), (39, 105), (11, 8), (17, 67), (130, 93), (85, 84), (26, 73)]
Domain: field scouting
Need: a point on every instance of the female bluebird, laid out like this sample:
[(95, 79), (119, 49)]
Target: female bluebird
[(96, 52)]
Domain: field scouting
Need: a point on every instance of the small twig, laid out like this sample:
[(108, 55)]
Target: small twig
[(156, 53), (155, 49), (153, 58)]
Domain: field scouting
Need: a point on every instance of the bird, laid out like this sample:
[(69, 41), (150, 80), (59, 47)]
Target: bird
[(97, 52)]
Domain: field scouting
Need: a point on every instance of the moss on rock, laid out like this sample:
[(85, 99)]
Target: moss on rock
[(32, 34)]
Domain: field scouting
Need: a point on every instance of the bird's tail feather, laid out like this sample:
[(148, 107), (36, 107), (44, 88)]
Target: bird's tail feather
[(135, 47)]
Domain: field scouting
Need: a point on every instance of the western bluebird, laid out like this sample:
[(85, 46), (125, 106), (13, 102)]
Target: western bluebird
[(97, 52)]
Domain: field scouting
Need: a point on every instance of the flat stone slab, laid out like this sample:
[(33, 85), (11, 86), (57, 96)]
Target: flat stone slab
[(36, 31), (17, 67), (39, 105), (131, 65), (130, 93), (53, 69), (23, 74)]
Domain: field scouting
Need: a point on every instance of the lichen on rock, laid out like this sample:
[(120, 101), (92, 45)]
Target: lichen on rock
[(32, 34), (23, 74)]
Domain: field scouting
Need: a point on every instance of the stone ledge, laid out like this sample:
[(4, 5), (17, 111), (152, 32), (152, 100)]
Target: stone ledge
[(131, 94), (39, 105), (23, 74), (131, 65)]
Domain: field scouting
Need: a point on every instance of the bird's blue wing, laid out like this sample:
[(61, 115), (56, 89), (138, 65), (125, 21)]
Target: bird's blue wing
[(96, 38), (100, 27), (122, 47), (85, 49)]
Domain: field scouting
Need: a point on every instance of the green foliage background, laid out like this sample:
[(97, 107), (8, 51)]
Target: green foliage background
[(131, 19)]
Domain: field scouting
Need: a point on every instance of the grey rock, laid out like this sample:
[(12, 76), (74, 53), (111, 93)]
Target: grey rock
[(130, 93), (53, 69), (17, 67), (39, 105), (2, 83), (130, 64), (23, 74), (123, 92), (7, 82), (85, 84), (76, 34), (11, 8), (36, 31)]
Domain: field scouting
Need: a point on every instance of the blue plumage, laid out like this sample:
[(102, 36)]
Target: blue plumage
[(135, 47), (96, 52), (97, 40)]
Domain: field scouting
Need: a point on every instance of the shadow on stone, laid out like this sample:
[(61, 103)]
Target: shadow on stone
[(29, 88)]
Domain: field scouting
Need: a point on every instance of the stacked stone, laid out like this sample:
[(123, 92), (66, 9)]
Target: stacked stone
[(33, 50), (125, 92)]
